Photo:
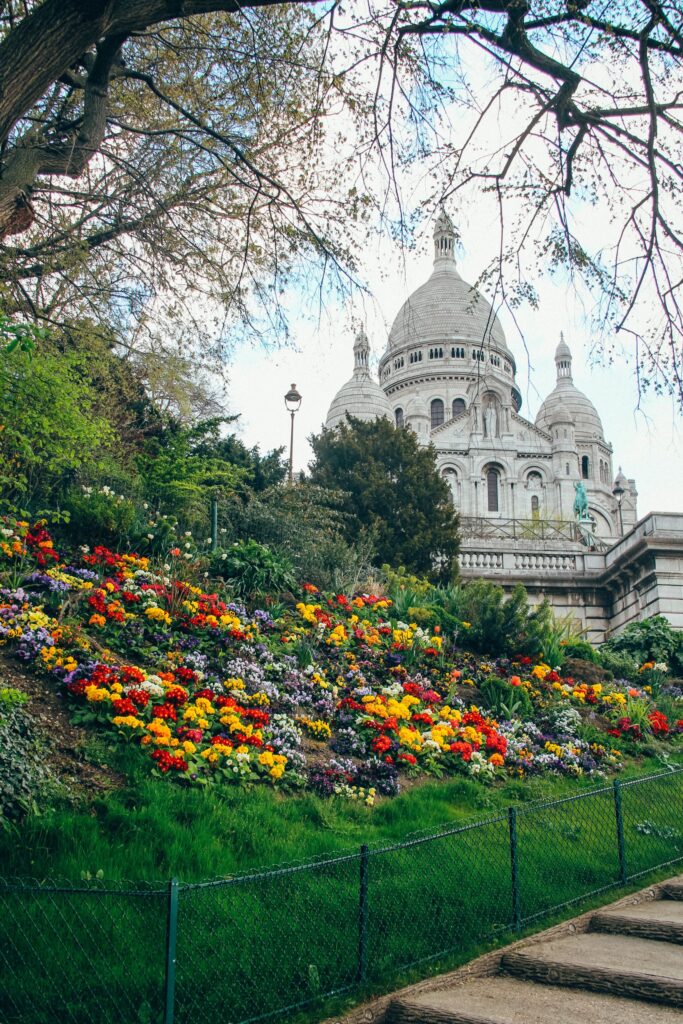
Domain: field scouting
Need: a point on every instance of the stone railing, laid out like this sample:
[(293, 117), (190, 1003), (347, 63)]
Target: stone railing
[(490, 560), (517, 558)]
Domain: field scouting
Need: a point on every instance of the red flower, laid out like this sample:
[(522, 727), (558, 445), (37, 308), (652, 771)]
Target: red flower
[(465, 750), (659, 722), (381, 744)]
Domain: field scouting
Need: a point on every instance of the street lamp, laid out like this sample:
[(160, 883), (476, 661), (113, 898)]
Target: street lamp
[(618, 492), (292, 405)]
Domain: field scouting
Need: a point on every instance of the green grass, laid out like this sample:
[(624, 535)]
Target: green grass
[(153, 829), (251, 945)]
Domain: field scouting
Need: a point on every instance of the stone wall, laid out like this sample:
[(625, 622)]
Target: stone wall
[(639, 576)]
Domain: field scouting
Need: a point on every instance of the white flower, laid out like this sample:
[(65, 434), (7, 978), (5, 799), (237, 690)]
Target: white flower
[(206, 575), (187, 555), (188, 533), (145, 505), (166, 567), (209, 539), (150, 536), (223, 556), (187, 543)]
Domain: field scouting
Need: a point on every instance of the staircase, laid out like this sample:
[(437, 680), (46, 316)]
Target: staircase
[(626, 968)]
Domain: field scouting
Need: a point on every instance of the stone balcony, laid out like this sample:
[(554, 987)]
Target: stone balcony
[(638, 576)]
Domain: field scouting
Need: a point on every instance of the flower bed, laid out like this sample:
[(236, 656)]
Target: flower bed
[(336, 693)]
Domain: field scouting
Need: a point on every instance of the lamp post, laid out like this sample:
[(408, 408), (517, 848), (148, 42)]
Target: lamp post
[(618, 492), (292, 405)]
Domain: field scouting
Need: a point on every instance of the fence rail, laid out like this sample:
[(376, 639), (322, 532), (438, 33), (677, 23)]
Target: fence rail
[(261, 945)]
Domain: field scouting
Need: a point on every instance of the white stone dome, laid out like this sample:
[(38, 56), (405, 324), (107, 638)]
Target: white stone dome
[(446, 308), (361, 396), (565, 399)]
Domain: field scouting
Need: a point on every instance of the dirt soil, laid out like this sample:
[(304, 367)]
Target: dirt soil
[(67, 742)]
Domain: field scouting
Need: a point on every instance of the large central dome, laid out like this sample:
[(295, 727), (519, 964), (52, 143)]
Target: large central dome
[(446, 308)]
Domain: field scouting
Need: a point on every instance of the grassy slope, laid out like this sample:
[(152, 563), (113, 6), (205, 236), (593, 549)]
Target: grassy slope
[(255, 946), (153, 829)]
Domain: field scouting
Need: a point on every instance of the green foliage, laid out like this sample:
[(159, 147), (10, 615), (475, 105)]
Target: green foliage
[(581, 649), (499, 625), (23, 772), (251, 569), (390, 485), (50, 432), (182, 470), (504, 700), (304, 523), (100, 517), (622, 666), (555, 635), (654, 639), (17, 336), (399, 579)]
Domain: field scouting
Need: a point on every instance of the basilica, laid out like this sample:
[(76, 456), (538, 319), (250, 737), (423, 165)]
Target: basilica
[(448, 374)]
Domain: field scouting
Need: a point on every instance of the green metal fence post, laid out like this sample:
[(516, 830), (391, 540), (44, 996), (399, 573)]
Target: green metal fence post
[(514, 870), (214, 524), (363, 913), (618, 810), (171, 937)]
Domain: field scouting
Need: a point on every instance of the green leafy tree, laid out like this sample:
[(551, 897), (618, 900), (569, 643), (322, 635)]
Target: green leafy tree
[(181, 473), (306, 524), (51, 433), (392, 486)]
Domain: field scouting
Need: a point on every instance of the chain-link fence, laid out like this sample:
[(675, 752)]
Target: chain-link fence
[(257, 946)]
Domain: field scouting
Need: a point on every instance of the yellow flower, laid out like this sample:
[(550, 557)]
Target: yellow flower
[(129, 721), (158, 615)]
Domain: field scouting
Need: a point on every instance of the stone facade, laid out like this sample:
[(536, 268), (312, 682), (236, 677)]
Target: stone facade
[(448, 374)]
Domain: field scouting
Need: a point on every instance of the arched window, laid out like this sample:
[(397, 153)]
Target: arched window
[(534, 480), (585, 467), (567, 468), (458, 406), (437, 412), (399, 417), (535, 510), (492, 490)]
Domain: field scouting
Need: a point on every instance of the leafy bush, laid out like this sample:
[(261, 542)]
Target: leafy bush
[(622, 666), (655, 639), (251, 569), (99, 516), (498, 624), (23, 772), (304, 524), (581, 649), (504, 700)]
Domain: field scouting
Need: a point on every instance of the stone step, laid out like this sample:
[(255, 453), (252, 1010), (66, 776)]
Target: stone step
[(673, 890), (658, 919), (501, 1000), (621, 965)]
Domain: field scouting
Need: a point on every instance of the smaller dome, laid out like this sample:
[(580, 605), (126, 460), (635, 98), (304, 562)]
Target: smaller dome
[(566, 400), (361, 396)]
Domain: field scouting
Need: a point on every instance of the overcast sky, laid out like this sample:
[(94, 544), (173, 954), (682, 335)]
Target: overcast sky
[(647, 442)]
